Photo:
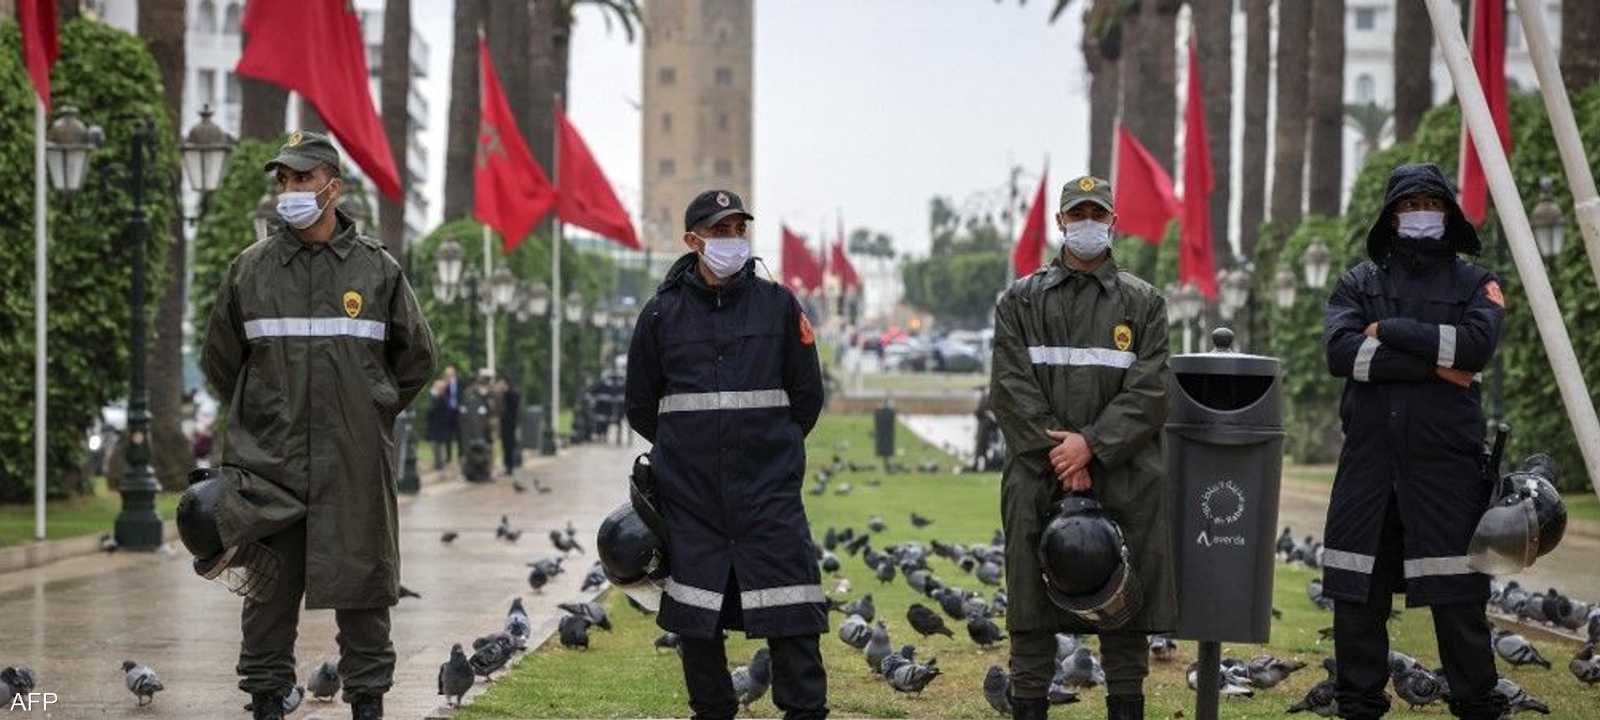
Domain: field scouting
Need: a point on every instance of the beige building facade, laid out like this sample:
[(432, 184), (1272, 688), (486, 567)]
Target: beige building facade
[(697, 110)]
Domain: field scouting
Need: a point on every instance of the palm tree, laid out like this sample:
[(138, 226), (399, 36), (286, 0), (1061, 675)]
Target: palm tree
[(1213, 28), (1102, 55), (1413, 55), (1289, 133), (461, 131), (1150, 76), (1253, 145), (1371, 120), (1327, 108), (1580, 44), (553, 57), (396, 89), (262, 105), (161, 25)]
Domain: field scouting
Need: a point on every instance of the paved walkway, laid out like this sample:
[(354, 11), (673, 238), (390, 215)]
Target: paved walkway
[(75, 621)]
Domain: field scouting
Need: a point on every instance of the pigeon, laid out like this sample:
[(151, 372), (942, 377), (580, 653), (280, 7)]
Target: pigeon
[(878, 647), (1060, 693), (1576, 616), (1228, 683), (997, 690), (920, 521), (952, 602), (1163, 647), (406, 592), (1593, 626), (830, 538), (861, 606), (289, 702), (926, 622), (1082, 669), (1325, 633), (1314, 592), (142, 682), (1320, 699), (324, 681), (1419, 688), (855, 632), (518, 485), (989, 573), (818, 489), (855, 544), (517, 625), (876, 524), (1515, 649), (997, 604), (1512, 597), (449, 537), (751, 681), (592, 611), (108, 545), (668, 640), (1285, 544), (830, 562), (456, 676), (984, 632), (1066, 645), (490, 653), (574, 631), (503, 530), (844, 488), (919, 581), (909, 677), (1266, 671), (596, 578), (1518, 699), (1401, 663), (1532, 608), (564, 543), (1585, 666), (873, 558), (16, 681), (885, 573), (537, 578)]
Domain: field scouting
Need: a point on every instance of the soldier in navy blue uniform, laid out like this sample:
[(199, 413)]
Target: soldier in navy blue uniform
[(1409, 329), (723, 378)]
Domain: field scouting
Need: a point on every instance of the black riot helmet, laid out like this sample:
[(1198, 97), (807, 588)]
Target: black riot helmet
[(632, 543), (248, 569), (1086, 564), (1525, 521)]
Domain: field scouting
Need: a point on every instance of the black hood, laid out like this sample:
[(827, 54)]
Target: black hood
[(1423, 179)]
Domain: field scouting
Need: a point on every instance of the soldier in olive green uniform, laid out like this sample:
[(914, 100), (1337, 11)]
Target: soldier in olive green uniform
[(1079, 389), (317, 343)]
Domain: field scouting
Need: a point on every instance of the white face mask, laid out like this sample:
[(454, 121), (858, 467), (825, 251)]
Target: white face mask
[(1086, 239), (1422, 224), (724, 256), (300, 208)]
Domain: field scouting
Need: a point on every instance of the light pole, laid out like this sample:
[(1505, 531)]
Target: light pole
[(450, 279), (1317, 262), (265, 217), (1187, 304), (205, 155), (1284, 289), (1549, 225)]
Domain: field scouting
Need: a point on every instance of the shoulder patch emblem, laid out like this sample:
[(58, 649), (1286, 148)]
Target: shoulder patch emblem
[(1492, 290), (807, 336), (352, 303), (1122, 336)]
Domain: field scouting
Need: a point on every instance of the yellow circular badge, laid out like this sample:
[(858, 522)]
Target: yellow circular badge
[(1122, 336), (1086, 184), (294, 138), (352, 303)]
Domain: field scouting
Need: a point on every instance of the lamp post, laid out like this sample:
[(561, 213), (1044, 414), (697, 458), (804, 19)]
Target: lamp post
[(265, 216), (205, 154), (1549, 225), (1187, 304), (1317, 262), (1284, 289), (451, 278), (538, 307)]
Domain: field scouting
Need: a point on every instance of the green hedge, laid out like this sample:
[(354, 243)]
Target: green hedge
[(111, 78)]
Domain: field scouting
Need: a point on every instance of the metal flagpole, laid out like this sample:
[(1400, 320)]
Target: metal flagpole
[(1585, 201), (555, 285), (488, 317), (40, 329), (1519, 234)]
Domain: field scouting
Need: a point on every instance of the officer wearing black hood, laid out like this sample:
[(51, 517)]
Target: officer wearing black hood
[(1409, 329), (723, 378)]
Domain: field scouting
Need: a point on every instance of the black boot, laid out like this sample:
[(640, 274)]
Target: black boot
[(266, 706), (1029, 708), (366, 707), (1124, 707)]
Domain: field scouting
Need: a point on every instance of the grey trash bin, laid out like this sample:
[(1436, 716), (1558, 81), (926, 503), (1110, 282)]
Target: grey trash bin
[(1224, 453), (532, 426)]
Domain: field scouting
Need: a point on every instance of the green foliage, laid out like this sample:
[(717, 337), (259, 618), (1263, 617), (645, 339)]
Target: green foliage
[(111, 78), (958, 289), (1311, 395)]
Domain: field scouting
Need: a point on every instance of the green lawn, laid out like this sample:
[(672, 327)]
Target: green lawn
[(623, 676), (64, 518), (1582, 505), (921, 382)]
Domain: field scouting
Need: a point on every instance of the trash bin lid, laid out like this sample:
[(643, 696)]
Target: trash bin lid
[(1223, 360)]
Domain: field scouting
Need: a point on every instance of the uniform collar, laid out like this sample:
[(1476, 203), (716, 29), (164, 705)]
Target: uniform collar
[(344, 238), (1105, 274)]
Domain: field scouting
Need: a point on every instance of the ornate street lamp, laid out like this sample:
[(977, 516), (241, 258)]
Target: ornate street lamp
[(503, 288), (1549, 224), (447, 279), (67, 147), (1235, 290), (1284, 289), (572, 308), (538, 298), (264, 217), (205, 154), (1317, 261)]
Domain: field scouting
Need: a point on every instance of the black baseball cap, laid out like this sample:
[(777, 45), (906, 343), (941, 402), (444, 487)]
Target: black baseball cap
[(711, 206)]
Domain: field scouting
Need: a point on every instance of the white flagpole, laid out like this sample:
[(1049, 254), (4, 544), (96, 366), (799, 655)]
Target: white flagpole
[(40, 329), (486, 286), (555, 289)]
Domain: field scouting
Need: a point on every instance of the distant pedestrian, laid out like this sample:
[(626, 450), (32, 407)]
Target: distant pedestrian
[(440, 419)]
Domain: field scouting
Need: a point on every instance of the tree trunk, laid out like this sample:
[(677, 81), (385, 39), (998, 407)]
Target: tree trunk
[(1327, 108), (507, 28), (162, 26), (396, 91), (1580, 44), (263, 106), (67, 10), (1289, 133), (1213, 26), (1149, 77), (1413, 52), (1253, 145), (310, 119), (1102, 55), (461, 135), (544, 79)]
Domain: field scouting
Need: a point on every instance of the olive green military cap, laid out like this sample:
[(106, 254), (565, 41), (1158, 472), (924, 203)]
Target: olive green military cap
[(1087, 188), (305, 150)]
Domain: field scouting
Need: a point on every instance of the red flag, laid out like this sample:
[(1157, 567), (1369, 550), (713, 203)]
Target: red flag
[(511, 192), (1143, 191), (1195, 265), (1029, 252), (40, 43), (314, 48), (841, 266), (583, 195), (1489, 58), (801, 270)]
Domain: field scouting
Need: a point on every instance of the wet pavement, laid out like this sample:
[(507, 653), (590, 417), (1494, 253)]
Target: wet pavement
[(75, 621)]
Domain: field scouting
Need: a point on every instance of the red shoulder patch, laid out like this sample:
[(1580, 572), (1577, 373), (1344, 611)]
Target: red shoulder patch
[(1492, 290), (807, 336)]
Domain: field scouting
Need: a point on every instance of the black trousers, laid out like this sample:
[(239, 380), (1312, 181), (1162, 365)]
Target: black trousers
[(510, 452), (1361, 642), (1126, 658), (799, 682), (266, 656)]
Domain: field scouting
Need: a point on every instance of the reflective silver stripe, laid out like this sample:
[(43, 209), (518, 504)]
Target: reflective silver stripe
[(1058, 355), (1447, 346), (315, 327), (728, 400), (1362, 370), (1344, 560), (780, 596), (693, 596), (1427, 567)]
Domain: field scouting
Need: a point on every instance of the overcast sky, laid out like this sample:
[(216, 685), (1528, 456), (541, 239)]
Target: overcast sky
[(862, 107)]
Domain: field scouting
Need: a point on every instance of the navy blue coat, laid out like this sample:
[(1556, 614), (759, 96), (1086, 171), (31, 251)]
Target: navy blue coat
[(1409, 434), (725, 382)]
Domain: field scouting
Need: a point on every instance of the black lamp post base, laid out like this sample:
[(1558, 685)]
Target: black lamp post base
[(138, 530), (409, 482), (547, 441)]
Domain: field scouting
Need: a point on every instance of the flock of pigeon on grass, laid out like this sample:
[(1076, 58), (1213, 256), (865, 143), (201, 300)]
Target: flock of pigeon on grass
[(1419, 686)]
